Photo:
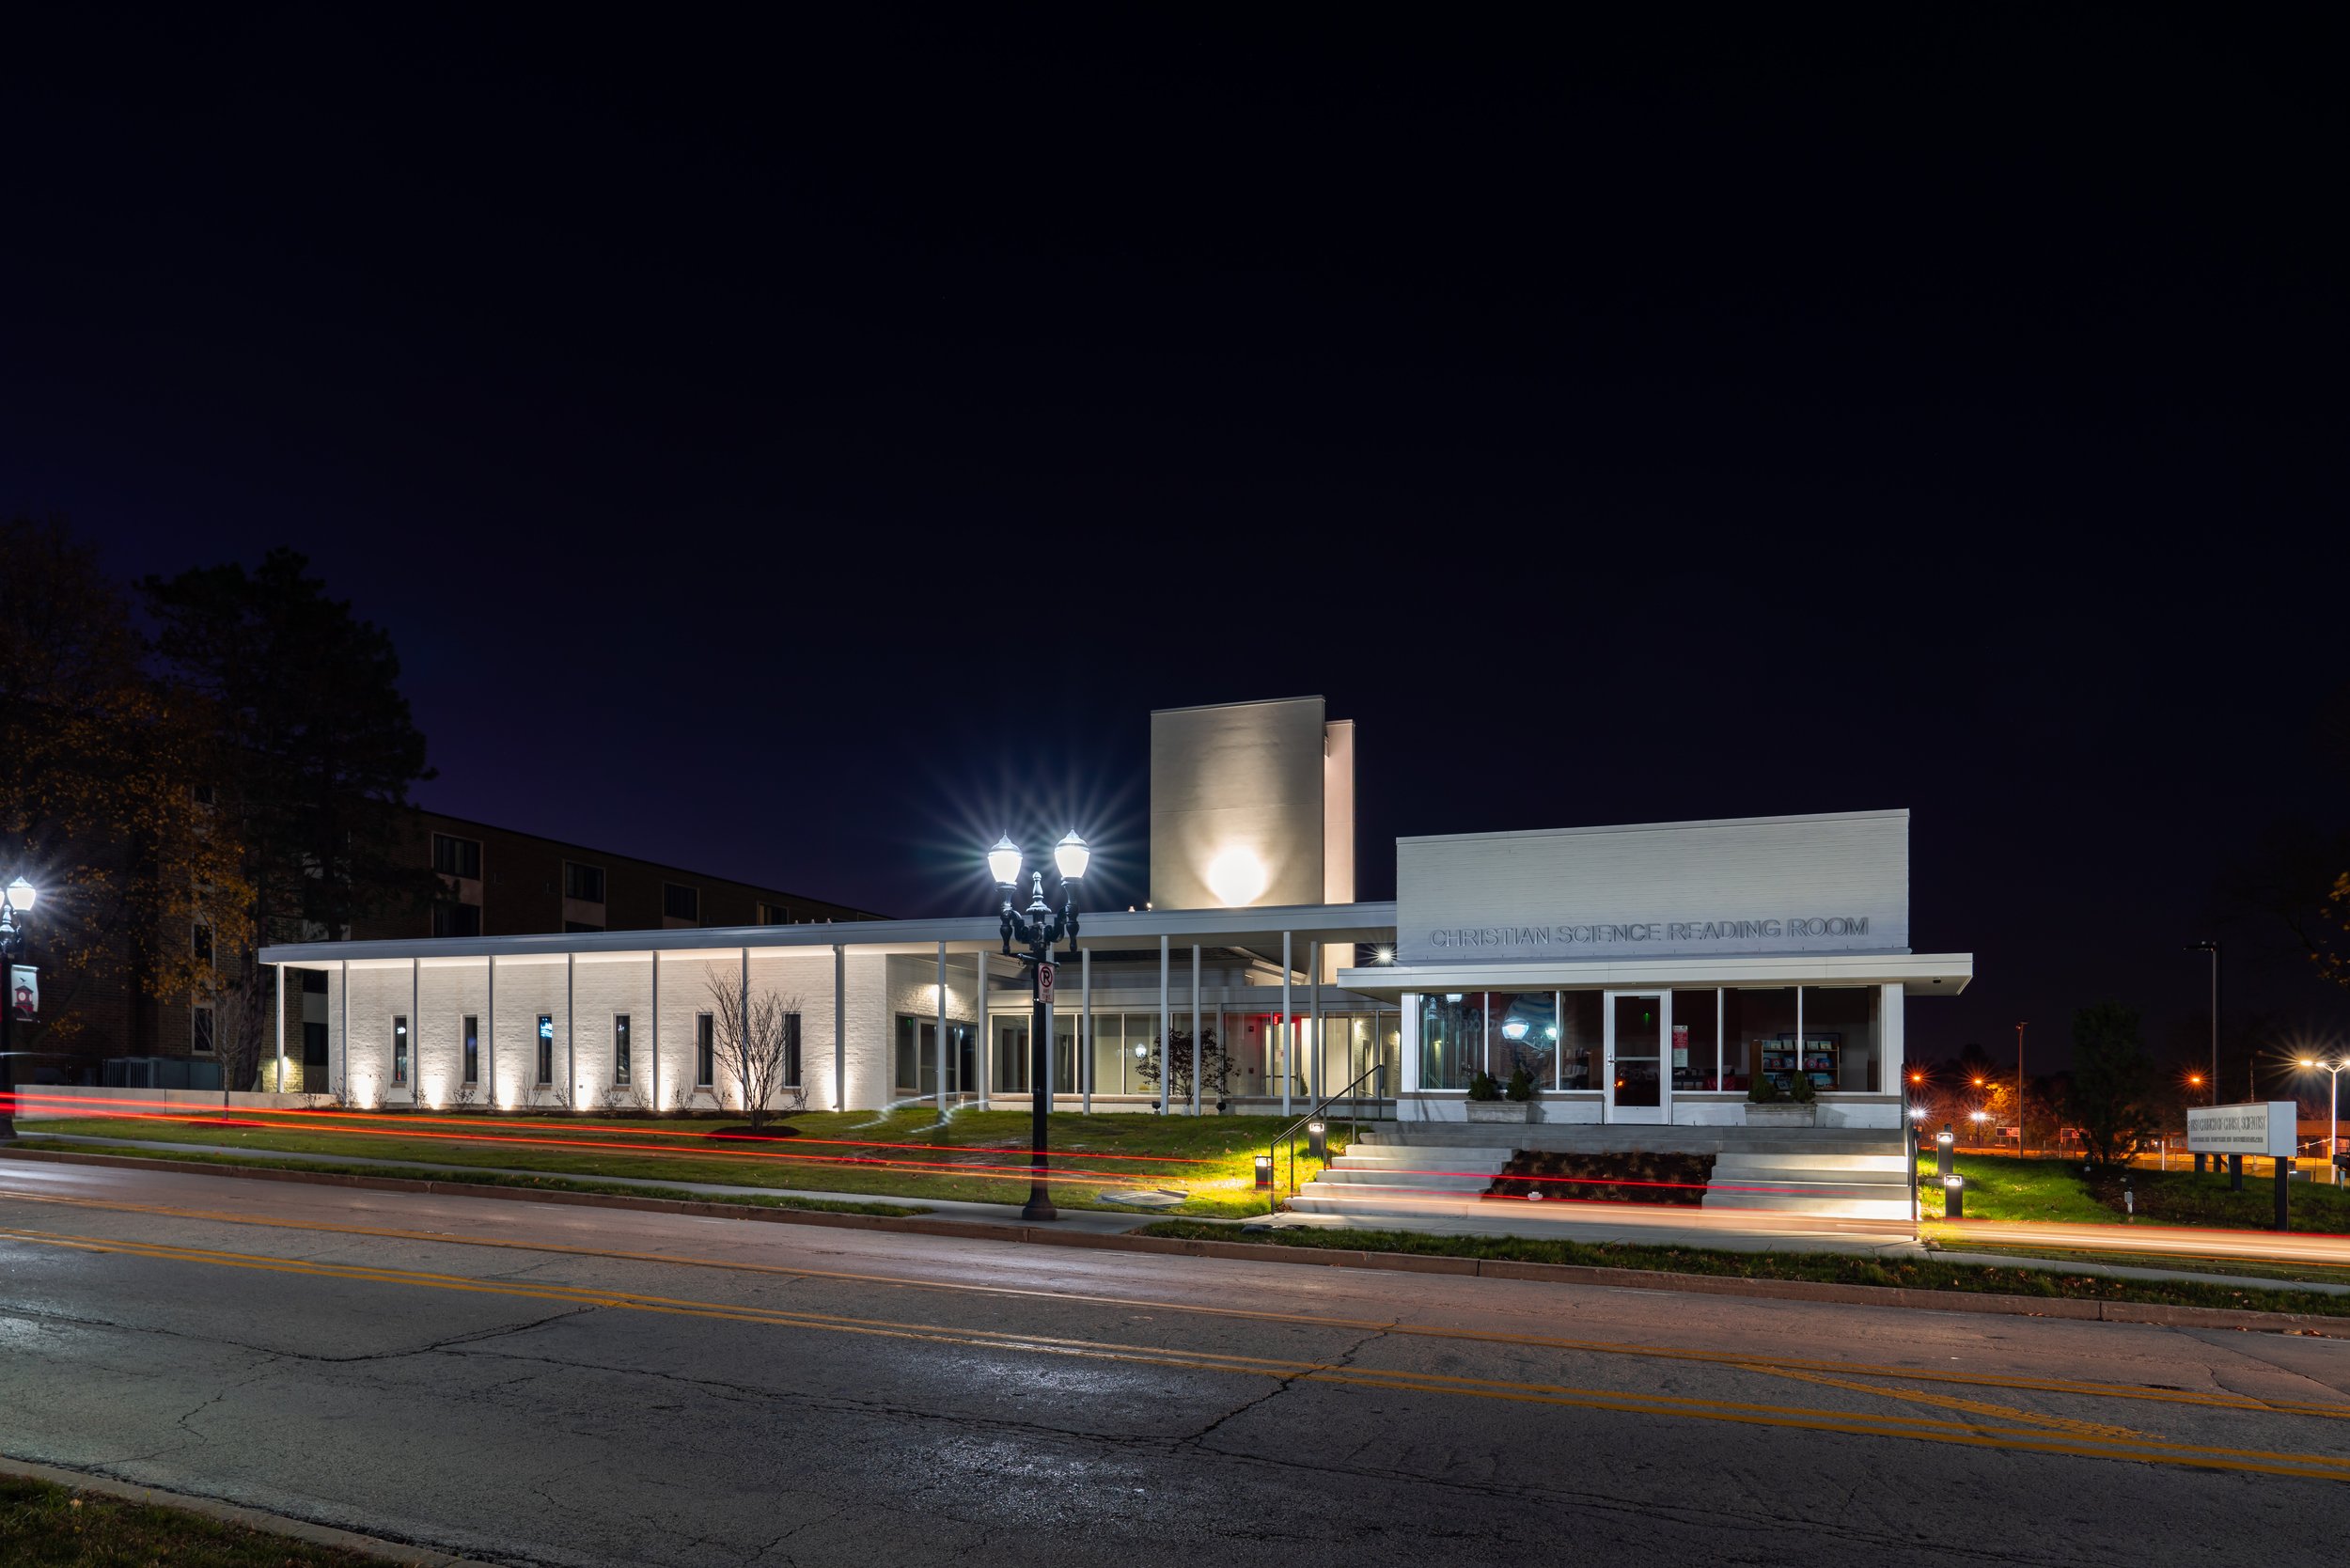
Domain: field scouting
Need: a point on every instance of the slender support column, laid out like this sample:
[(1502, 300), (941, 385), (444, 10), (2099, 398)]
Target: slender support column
[(1198, 1060), (415, 1031), (1085, 1002), (281, 1029), (942, 1032), (1318, 1064), (490, 1039), (983, 1049), (1166, 1027), (656, 1029), (345, 1079), (840, 1027), (743, 999), (1289, 1025), (570, 1030)]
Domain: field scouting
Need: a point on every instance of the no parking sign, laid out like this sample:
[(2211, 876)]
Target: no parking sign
[(1044, 984)]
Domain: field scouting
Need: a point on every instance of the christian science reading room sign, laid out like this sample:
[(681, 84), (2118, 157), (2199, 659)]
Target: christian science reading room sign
[(1711, 889)]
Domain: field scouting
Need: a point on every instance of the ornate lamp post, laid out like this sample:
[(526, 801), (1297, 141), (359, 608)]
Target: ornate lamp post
[(19, 900), (1037, 930)]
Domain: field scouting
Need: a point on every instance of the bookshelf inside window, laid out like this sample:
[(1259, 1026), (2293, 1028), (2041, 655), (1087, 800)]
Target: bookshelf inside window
[(1775, 1057)]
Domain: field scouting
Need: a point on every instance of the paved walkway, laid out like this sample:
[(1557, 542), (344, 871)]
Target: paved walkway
[(2176, 1241)]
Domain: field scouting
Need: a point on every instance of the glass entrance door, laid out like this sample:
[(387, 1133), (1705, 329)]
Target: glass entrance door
[(1637, 1027)]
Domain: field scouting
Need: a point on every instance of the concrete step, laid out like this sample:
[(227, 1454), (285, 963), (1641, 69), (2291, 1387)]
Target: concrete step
[(1842, 1208), (1428, 1158), (1387, 1181), (1603, 1139), (1758, 1164)]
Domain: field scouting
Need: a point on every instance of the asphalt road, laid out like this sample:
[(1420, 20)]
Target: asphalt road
[(565, 1385)]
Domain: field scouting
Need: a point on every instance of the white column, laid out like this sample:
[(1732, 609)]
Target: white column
[(281, 1029), (1289, 1025), (1317, 1065), (415, 1031), (1894, 1075), (1197, 1059), (343, 1079), (983, 1048), (1407, 1051), (743, 998), (490, 1039), (942, 1032), (840, 1027), (571, 1029), (1167, 1027), (1085, 1002), (656, 1030)]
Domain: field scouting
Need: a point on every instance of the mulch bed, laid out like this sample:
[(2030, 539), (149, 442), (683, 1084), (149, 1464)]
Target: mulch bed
[(1625, 1177)]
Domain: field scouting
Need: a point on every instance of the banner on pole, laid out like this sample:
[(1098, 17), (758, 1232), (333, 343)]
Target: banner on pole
[(25, 993)]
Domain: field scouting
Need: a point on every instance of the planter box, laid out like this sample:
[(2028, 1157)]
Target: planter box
[(1500, 1110), (1782, 1116)]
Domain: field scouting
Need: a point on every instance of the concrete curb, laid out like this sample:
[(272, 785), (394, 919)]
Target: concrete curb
[(235, 1514), (1326, 1257)]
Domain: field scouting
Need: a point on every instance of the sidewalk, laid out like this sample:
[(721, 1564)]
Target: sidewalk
[(2178, 1240)]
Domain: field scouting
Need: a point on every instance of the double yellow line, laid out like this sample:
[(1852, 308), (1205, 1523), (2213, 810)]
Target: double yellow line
[(1986, 1426)]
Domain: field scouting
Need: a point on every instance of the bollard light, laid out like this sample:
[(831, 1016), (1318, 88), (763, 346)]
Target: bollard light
[(1264, 1174), (1954, 1198), (1318, 1141)]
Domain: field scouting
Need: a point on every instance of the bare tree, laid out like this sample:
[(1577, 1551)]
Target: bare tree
[(243, 1004), (750, 1037)]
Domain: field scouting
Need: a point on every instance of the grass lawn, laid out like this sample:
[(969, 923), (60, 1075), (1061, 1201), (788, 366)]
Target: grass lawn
[(1827, 1268), (1209, 1159), (53, 1527), (2011, 1189)]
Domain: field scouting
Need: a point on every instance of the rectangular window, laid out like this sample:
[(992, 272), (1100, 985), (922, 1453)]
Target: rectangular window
[(200, 1030), (1582, 1040), (579, 925), (456, 919), (457, 856), (619, 1048), (314, 1045), (585, 882), (400, 1050), (792, 1049), (775, 915), (681, 903), (1452, 1041), (1696, 1046), (1525, 1036), (546, 1049), (472, 1049), (313, 982), (200, 940), (705, 1051), (1759, 1036), (1840, 1036)]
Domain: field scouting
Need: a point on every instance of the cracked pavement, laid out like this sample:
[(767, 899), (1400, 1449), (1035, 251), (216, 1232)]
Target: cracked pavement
[(795, 1395)]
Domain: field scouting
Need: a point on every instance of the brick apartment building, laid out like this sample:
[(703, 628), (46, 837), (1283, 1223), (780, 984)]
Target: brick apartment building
[(496, 881)]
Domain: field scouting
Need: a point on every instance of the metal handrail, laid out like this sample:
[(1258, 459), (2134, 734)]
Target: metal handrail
[(1289, 1132)]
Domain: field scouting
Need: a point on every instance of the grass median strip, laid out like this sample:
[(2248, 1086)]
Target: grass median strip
[(1830, 1268), (977, 1157), (58, 1527)]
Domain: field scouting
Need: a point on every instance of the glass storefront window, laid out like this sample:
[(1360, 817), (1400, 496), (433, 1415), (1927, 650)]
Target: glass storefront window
[(1696, 1040), (1759, 1035), (1841, 1037), (1526, 1035), (1582, 1044), (1451, 1039)]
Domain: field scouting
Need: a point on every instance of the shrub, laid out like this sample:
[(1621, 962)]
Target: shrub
[(1799, 1088), (1765, 1090), (1521, 1085), (1484, 1086)]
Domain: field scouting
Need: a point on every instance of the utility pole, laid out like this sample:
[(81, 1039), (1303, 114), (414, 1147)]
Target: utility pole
[(2213, 948), (2020, 1144)]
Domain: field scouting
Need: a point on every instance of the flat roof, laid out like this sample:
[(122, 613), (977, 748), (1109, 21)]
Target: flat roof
[(1106, 929), (1889, 812)]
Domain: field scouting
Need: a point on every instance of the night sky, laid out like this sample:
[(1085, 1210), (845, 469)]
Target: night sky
[(799, 453)]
